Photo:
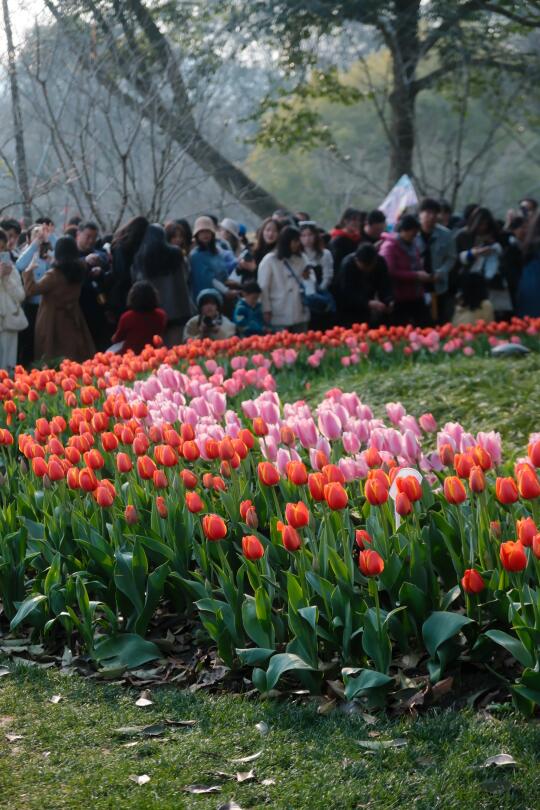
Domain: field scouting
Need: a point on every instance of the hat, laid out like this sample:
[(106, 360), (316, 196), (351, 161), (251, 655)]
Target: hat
[(231, 226), (209, 293), (203, 224), (242, 230)]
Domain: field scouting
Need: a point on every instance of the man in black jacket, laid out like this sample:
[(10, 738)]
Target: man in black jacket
[(363, 289)]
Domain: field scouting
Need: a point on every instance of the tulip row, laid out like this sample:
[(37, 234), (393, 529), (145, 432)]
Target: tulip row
[(318, 542)]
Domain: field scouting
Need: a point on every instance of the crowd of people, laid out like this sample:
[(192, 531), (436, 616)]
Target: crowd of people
[(73, 294)]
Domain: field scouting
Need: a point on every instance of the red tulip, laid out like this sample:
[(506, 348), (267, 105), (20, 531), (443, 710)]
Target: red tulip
[(446, 454), (472, 581), (533, 452), (214, 527), (410, 487), (454, 490), (140, 444), (94, 459), (290, 538), (194, 502), (403, 504), (260, 428), (268, 474), (165, 455), (297, 473), (55, 471), (513, 556), (373, 457), (252, 548), (189, 479), (123, 463), (246, 436), (376, 492), (526, 530), (297, 514), (362, 537), (211, 448), (131, 515), (104, 497), (160, 479), (477, 480), (336, 496), (145, 467), (463, 464), (161, 507), (87, 479), (316, 484), (506, 490), (332, 474), (482, 458), (371, 563), (536, 546), (190, 451), (109, 442), (72, 478), (528, 483), (226, 449)]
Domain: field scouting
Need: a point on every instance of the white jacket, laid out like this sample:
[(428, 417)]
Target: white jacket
[(281, 294), (326, 262), (12, 317)]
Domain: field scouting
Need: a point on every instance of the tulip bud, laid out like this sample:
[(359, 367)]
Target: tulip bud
[(123, 463), (454, 491), (495, 528), (446, 454), (403, 504), (371, 563), (131, 515), (161, 507), (506, 490), (335, 496), (528, 484), (376, 492), (189, 479), (290, 538), (526, 530), (194, 502), (297, 473), (316, 484), (252, 548), (214, 527), (472, 581), (362, 537), (477, 480), (160, 479), (297, 514), (268, 474)]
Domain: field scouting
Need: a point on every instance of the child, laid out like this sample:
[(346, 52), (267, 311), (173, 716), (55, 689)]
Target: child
[(209, 323), (12, 317), (248, 314), (142, 320)]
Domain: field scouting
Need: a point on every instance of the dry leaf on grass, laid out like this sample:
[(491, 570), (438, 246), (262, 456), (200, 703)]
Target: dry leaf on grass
[(229, 806), (13, 737), (378, 745), (245, 776), (4, 671), (249, 758), (55, 699), (144, 699), (140, 780), (196, 789), (500, 761), (268, 782), (262, 728)]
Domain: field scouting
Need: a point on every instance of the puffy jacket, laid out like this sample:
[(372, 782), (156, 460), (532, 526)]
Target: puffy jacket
[(406, 285)]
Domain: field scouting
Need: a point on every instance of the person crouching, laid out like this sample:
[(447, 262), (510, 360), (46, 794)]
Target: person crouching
[(209, 323)]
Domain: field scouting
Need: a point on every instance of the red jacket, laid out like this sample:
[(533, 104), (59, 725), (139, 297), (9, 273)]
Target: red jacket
[(405, 282), (137, 329)]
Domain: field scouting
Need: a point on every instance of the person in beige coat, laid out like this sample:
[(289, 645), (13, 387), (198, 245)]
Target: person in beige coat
[(61, 328), (281, 278), (12, 317)]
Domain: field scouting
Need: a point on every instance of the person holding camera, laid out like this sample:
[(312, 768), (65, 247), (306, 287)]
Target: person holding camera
[(38, 255), (210, 322)]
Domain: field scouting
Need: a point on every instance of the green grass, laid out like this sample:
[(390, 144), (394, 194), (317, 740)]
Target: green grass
[(69, 755), (482, 393)]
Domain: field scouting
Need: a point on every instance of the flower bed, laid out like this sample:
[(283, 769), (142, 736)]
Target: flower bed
[(317, 542)]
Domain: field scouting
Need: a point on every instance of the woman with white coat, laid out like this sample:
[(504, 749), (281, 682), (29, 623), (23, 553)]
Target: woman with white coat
[(12, 317), (282, 276)]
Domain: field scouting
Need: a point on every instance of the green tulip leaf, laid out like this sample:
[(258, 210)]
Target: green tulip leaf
[(513, 646), (125, 651)]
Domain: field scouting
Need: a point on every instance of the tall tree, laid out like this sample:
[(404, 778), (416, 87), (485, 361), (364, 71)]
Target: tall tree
[(18, 127), (427, 40), (140, 56)]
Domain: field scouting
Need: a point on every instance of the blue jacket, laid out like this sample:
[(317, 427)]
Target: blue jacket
[(528, 296), (24, 261), (207, 270), (248, 320)]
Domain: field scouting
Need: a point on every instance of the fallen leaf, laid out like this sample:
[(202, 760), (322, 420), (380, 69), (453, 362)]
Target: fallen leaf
[(245, 776), (55, 699), (377, 745), (249, 758), (202, 789), (46, 754), (500, 761), (267, 782), (131, 744), (262, 728), (13, 737), (4, 671), (369, 719), (153, 730), (229, 806), (6, 720), (140, 780), (144, 699), (181, 723), (326, 707)]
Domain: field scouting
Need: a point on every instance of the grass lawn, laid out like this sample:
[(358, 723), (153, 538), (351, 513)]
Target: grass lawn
[(69, 756)]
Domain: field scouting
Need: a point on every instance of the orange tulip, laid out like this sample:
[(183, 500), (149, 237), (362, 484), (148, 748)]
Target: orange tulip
[(316, 484), (463, 464), (528, 483), (477, 480), (246, 436), (194, 502), (189, 479), (371, 563), (533, 452), (226, 449), (123, 463), (104, 497), (513, 556), (87, 479), (252, 548), (403, 504), (161, 507), (410, 487), (506, 490), (260, 428), (336, 496), (72, 478), (297, 473), (373, 457), (297, 514), (94, 459), (446, 454), (159, 479), (145, 467), (526, 530), (268, 474), (482, 458), (376, 492), (211, 448), (55, 471), (214, 527), (290, 538), (190, 451), (131, 515), (362, 537), (454, 490), (472, 581), (332, 474)]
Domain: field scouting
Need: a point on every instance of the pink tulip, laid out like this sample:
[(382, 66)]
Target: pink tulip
[(351, 442), (428, 423), (306, 432), (395, 411), (329, 425)]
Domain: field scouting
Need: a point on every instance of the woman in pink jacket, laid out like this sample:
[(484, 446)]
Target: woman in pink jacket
[(408, 277)]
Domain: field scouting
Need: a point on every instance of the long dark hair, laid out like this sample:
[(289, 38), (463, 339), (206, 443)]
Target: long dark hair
[(155, 256), (129, 237), (483, 216), (261, 247), (285, 240), (210, 246), (318, 246), (352, 213), (531, 248), (67, 260)]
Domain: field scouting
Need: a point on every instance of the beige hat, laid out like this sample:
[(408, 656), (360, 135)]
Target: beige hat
[(231, 226), (203, 224)]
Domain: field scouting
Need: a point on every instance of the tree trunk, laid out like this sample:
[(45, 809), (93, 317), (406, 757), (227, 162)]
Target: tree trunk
[(403, 42), (22, 170)]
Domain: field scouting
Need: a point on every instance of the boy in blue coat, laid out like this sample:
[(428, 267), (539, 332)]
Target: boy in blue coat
[(248, 314)]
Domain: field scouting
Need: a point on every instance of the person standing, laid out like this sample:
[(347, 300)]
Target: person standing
[(12, 317), (125, 244), (61, 328), (346, 236), (281, 279), (437, 250), (409, 279), (362, 288), (39, 255), (512, 257), (95, 284), (375, 227), (528, 296)]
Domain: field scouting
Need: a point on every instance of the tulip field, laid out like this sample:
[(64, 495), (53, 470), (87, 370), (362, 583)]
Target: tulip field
[(314, 545)]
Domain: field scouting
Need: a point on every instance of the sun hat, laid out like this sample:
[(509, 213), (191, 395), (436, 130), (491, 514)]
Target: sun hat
[(210, 292), (231, 226), (203, 224)]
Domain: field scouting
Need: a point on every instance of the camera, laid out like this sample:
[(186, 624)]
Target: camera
[(208, 321), (246, 256)]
